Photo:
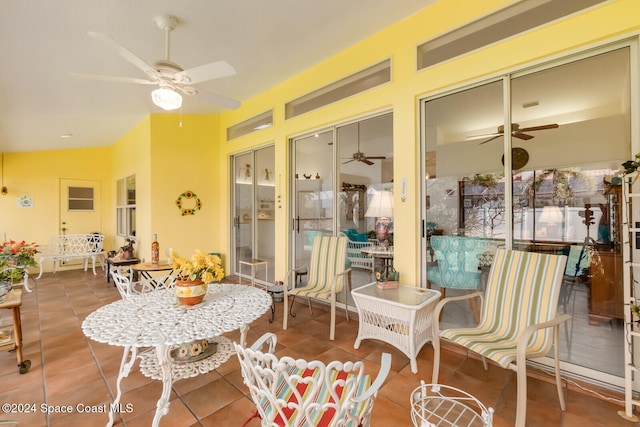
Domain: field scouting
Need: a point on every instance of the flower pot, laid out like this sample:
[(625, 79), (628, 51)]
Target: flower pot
[(190, 292)]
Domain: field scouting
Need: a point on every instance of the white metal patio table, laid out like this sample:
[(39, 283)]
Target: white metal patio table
[(157, 320), (402, 317)]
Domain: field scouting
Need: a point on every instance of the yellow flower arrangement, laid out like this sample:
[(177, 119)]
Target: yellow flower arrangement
[(201, 266)]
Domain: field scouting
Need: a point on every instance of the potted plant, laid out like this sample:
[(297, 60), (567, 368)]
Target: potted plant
[(15, 258), (194, 275)]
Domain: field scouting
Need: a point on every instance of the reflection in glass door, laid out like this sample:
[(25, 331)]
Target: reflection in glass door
[(313, 192), (254, 222), (570, 132)]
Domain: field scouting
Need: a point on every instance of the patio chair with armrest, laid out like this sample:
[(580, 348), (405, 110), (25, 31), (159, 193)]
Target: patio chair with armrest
[(290, 392), (518, 318), (326, 277)]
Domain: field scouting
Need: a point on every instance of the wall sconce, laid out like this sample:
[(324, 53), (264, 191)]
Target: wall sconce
[(403, 194)]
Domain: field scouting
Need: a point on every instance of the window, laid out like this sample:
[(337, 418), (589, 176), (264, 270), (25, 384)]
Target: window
[(80, 199), (126, 206)]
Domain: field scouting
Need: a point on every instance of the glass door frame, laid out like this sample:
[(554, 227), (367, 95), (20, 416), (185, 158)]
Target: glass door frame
[(506, 78), (253, 216)]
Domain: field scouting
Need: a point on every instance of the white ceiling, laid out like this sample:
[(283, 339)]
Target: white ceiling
[(43, 41)]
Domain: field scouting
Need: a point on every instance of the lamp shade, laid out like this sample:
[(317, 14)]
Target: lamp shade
[(166, 98), (551, 215), (381, 205)]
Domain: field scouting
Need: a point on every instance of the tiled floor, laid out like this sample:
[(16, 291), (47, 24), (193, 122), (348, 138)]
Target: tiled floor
[(70, 370)]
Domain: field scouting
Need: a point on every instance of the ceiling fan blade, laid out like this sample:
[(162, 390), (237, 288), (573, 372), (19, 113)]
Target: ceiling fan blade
[(348, 161), (366, 161), (521, 135), (490, 139), (126, 54), (223, 101), (483, 135), (375, 157), (543, 127), (113, 78), (214, 70)]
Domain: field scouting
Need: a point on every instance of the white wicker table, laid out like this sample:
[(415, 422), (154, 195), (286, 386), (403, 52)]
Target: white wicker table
[(401, 317), (156, 319)]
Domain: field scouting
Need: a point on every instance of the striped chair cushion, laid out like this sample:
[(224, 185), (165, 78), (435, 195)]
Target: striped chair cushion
[(328, 258), (522, 290), (318, 391)]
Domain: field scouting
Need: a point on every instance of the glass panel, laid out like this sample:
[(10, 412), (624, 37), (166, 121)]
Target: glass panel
[(366, 168), (243, 172), (568, 201), (465, 209), (80, 192), (80, 205), (121, 199), (313, 192), (131, 190), (265, 209)]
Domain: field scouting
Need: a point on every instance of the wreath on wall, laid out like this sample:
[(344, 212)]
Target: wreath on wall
[(188, 210)]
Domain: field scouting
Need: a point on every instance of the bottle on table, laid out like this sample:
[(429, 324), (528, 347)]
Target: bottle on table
[(155, 250)]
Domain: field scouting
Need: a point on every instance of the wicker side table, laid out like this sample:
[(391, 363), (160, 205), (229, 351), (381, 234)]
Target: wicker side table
[(401, 317)]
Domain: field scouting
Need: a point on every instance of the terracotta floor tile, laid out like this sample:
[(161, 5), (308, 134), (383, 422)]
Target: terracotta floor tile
[(77, 370)]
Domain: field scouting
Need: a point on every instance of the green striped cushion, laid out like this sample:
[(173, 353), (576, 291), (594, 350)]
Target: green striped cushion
[(327, 259), (522, 290), (307, 388)]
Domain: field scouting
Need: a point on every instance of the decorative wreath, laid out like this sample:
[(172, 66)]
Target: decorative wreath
[(188, 195)]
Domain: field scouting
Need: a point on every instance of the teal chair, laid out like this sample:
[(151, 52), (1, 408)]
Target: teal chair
[(458, 264)]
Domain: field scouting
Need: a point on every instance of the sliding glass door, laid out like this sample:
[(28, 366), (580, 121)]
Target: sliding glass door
[(567, 127), (360, 155), (253, 215)]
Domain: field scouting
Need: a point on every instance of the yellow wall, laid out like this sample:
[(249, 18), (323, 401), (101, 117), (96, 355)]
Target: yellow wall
[(168, 159), (398, 42), (185, 157), (37, 175)]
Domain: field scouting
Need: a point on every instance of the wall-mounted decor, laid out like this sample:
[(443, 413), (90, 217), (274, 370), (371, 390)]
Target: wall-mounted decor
[(24, 202), (194, 203)]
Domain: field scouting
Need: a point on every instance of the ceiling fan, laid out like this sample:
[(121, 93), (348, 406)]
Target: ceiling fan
[(170, 78), (359, 156), (516, 132)]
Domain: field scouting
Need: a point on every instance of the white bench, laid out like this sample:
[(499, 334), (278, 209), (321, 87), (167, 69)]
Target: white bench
[(74, 246)]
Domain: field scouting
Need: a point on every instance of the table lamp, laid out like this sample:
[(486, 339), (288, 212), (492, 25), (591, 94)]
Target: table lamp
[(381, 208), (552, 216)]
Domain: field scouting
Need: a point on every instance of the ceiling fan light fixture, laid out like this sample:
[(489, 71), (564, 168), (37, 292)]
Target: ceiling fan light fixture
[(166, 98)]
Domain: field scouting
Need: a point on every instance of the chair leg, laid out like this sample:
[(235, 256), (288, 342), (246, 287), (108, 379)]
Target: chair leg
[(521, 405), (435, 341), (332, 332), (346, 309), (556, 356), (474, 308)]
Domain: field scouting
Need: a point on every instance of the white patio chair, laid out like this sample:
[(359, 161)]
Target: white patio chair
[(290, 392)]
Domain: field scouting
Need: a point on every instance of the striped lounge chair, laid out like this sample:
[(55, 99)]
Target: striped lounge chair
[(326, 277), (518, 318), (289, 392)]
